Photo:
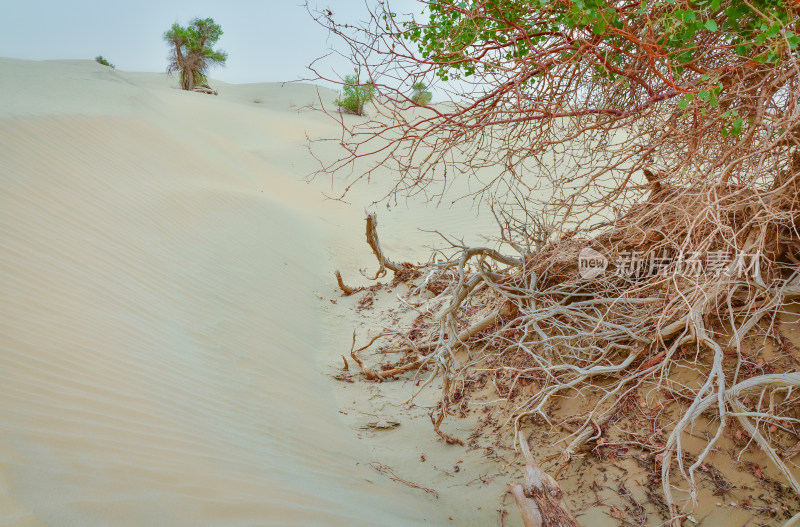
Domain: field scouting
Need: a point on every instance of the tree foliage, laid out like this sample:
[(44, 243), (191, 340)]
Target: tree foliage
[(355, 95), (192, 52), (701, 56), (699, 79)]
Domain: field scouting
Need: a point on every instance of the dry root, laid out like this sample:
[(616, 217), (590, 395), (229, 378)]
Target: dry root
[(531, 319), (372, 240), (347, 290), (540, 499), (206, 90)]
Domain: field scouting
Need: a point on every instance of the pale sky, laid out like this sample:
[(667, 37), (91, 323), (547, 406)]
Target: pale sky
[(266, 40)]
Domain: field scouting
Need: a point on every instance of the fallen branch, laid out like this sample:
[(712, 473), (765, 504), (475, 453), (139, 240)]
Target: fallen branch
[(389, 472)]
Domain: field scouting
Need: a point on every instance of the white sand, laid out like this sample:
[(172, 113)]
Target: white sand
[(161, 337)]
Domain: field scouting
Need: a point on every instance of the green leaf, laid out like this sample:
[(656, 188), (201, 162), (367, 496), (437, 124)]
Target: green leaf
[(774, 30), (792, 39), (711, 25), (774, 57)]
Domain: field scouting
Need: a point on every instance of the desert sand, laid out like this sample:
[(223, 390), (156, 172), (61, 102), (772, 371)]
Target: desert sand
[(171, 331), (167, 328)]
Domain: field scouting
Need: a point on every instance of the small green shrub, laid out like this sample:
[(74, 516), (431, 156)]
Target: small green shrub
[(420, 96), (355, 95), (100, 60)]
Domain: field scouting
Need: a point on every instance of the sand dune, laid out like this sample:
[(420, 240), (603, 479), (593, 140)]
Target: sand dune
[(161, 341)]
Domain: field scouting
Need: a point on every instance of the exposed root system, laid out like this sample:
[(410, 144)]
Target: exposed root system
[(537, 327)]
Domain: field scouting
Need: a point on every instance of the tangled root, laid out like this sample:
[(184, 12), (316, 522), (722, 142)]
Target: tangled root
[(534, 318)]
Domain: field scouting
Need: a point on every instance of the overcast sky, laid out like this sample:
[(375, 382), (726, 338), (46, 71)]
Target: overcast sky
[(266, 40)]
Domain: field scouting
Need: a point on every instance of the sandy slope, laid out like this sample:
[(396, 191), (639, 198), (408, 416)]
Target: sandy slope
[(161, 338)]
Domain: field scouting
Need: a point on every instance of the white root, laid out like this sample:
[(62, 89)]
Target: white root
[(604, 338), (540, 499)]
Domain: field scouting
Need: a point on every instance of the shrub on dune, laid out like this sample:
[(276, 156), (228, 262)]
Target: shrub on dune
[(100, 60)]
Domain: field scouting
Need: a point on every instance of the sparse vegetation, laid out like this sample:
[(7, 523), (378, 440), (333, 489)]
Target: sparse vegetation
[(355, 95), (100, 60), (192, 52)]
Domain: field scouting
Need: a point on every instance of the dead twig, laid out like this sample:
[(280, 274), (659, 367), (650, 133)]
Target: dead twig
[(389, 472)]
